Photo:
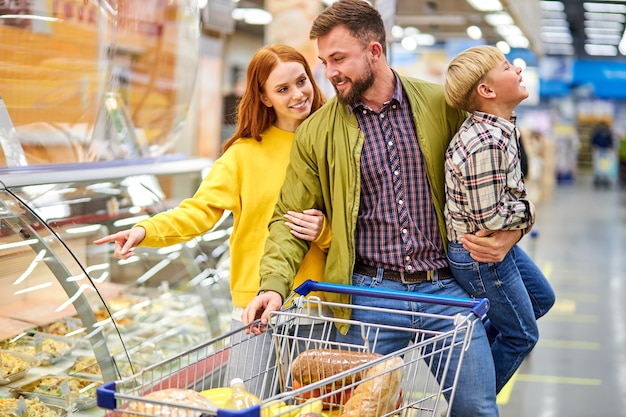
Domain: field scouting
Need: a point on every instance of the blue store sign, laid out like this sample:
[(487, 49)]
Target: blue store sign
[(608, 79)]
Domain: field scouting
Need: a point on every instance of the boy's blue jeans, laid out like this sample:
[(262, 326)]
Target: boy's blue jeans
[(475, 393), (519, 294)]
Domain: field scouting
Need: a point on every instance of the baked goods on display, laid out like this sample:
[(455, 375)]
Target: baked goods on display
[(85, 366), (172, 396), (68, 326), (54, 389), (44, 349), (34, 407), (13, 367)]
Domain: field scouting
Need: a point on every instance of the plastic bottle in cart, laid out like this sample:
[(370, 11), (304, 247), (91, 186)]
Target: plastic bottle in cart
[(240, 398)]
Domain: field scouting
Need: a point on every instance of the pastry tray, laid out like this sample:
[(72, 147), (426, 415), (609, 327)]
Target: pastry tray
[(58, 411), (84, 401), (7, 379), (25, 345), (4, 380)]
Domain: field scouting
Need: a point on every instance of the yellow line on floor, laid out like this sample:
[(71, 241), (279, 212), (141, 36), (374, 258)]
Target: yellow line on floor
[(568, 344), (547, 269), (553, 379), (570, 318), (505, 393), (564, 306), (578, 296)]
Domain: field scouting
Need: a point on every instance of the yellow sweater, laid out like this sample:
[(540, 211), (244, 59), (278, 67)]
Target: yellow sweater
[(246, 180)]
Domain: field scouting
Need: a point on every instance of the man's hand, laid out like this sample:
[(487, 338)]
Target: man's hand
[(489, 246), (260, 307)]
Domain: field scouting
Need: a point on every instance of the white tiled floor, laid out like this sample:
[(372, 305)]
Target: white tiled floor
[(578, 368)]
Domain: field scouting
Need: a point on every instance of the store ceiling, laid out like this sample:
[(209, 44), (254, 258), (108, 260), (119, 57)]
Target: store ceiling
[(448, 19)]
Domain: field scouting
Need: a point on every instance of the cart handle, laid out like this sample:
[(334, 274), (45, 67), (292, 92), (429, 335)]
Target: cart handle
[(479, 306)]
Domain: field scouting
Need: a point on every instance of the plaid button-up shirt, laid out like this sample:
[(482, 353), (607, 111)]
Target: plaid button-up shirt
[(397, 226), (484, 183)]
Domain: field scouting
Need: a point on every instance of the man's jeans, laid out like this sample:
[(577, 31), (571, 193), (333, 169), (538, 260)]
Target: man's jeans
[(476, 388), (518, 293)]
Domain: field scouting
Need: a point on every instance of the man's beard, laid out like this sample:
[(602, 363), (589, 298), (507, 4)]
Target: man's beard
[(357, 89)]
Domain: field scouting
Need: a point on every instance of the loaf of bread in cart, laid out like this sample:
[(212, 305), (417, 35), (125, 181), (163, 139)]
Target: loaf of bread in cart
[(379, 392), (316, 364), (172, 396)]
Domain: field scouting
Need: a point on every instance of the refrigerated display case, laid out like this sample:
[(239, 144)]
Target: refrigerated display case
[(69, 309)]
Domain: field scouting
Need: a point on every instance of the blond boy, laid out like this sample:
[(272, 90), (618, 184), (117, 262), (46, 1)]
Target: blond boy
[(485, 192)]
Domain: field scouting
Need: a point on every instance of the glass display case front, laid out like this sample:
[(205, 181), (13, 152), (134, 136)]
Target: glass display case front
[(71, 315)]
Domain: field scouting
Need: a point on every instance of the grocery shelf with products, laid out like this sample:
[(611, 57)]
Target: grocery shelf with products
[(71, 315)]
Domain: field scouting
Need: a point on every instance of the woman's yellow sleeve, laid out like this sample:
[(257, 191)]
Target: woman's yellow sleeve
[(325, 236)]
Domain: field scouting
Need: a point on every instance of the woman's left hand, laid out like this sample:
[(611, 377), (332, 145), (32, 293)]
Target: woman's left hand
[(306, 225)]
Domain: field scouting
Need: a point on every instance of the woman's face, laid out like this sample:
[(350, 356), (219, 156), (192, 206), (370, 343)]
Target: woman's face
[(290, 92)]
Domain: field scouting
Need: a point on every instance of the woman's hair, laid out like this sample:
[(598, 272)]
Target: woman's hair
[(253, 117), (466, 71), (362, 20)]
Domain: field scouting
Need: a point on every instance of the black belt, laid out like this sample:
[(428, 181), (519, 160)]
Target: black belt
[(404, 277)]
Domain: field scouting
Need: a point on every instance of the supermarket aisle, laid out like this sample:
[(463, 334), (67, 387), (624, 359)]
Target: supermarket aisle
[(578, 368)]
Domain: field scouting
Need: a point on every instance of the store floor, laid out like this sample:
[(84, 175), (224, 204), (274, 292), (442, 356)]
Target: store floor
[(578, 368)]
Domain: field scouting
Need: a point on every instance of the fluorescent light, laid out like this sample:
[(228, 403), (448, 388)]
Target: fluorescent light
[(552, 5), (518, 41), (83, 229), (604, 8), (601, 50), (519, 62), (397, 32), (19, 244), (409, 43), (613, 17), (509, 30), (556, 30), (504, 47), (555, 22), (30, 17), (129, 220), (486, 5), (497, 19), (474, 32), (598, 24), (559, 49), (552, 37), (425, 39), (604, 39), (252, 15)]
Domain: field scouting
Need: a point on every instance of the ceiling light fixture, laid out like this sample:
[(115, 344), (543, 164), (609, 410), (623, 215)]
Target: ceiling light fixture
[(504, 47), (601, 50), (486, 5), (252, 16), (604, 8), (497, 19), (474, 32), (552, 5)]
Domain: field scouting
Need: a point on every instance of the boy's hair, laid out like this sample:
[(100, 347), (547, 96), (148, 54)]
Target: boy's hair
[(362, 20), (466, 71)]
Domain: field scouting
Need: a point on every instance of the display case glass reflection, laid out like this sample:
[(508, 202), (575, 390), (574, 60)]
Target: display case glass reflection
[(125, 314)]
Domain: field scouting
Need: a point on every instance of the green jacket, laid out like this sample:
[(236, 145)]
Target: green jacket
[(324, 173)]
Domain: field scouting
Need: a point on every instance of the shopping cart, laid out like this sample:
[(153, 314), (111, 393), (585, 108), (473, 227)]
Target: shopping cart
[(604, 167), (402, 383)]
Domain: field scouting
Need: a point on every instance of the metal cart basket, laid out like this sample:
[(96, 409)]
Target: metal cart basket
[(331, 379)]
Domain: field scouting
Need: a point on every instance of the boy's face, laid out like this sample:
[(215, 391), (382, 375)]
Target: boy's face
[(506, 82)]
